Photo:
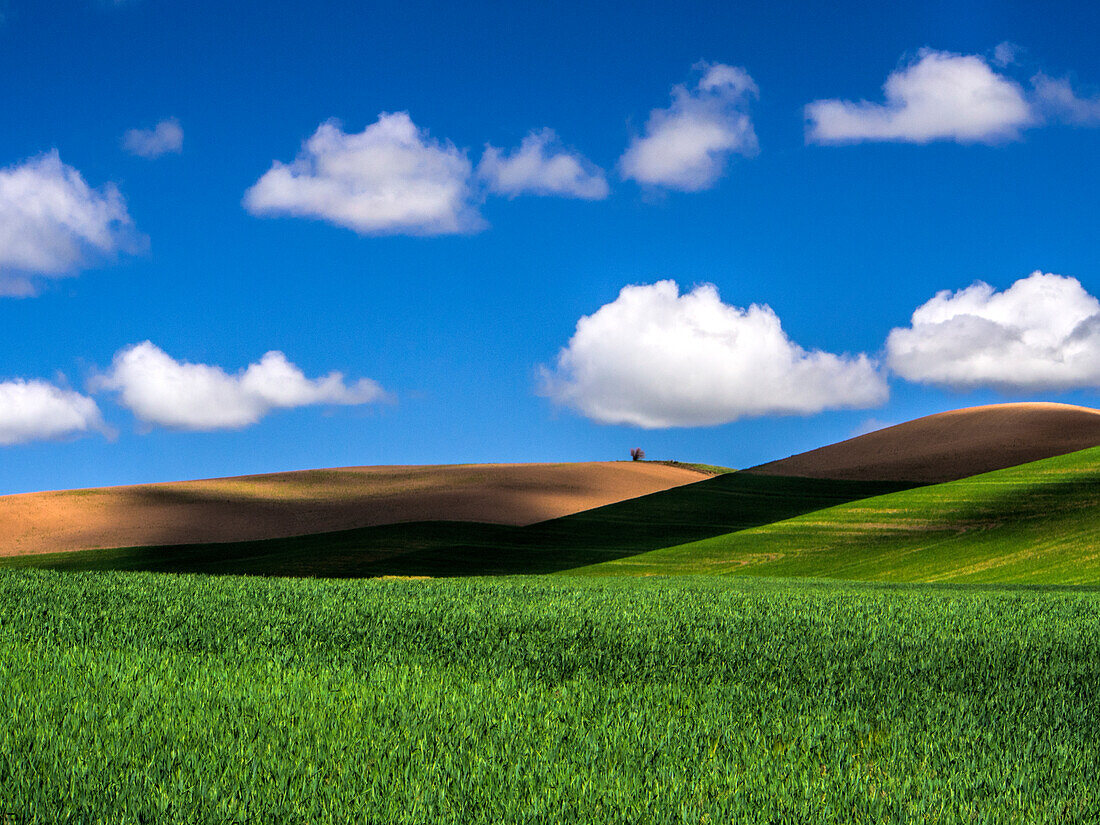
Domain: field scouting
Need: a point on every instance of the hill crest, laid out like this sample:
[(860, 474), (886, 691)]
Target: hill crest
[(950, 445)]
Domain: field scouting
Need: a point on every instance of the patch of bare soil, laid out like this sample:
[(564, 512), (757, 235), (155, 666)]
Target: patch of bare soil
[(950, 445), (315, 501)]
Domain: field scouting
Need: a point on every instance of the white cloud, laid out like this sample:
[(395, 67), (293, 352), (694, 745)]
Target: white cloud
[(37, 410), (655, 358), (179, 395), (940, 96), (1057, 98), (1042, 333), (53, 224), (541, 166), (391, 178), (164, 138), (687, 145)]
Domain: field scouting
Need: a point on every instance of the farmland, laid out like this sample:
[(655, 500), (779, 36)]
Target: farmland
[(274, 505), (750, 648), (1037, 523), (713, 507), (1033, 522), (137, 697), (951, 445)]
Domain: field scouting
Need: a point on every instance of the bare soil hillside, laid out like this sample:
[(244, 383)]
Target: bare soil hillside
[(950, 445), (316, 501)]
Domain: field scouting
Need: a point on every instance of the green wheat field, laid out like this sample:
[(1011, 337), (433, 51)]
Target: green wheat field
[(703, 655)]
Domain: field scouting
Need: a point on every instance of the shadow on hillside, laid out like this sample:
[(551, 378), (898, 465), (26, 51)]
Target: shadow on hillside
[(1039, 524), (312, 502), (716, 506)]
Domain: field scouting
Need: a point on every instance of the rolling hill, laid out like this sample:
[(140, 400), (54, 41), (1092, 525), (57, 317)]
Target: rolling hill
[(712, 507), (1036, 522), (950, 445), (249, 508)]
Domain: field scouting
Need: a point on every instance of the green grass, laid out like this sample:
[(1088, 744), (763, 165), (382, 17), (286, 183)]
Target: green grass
[(1035, 523), (136, 697)]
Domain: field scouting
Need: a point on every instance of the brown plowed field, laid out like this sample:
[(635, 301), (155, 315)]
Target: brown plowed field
[(317, 501), (950, 445)]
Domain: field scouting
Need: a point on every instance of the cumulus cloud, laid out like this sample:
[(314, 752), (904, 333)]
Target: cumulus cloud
[(1042, 333), (52, 223), (391, 178), (688, 145), (162, 391), (38, 410), (542, 166), (938, 96), (164, 138), (656, 358)]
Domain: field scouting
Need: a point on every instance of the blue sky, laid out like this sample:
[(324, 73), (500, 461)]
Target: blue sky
[(447, 325)]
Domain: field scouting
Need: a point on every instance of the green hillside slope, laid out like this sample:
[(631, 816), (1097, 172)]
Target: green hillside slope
[(1034, 523)]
